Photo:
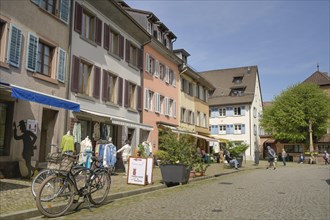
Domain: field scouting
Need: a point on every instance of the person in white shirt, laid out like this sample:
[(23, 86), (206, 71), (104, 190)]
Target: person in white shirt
[(126, 153)]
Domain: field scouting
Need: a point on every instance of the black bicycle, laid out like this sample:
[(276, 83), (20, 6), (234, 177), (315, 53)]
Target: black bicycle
[(57, 192)]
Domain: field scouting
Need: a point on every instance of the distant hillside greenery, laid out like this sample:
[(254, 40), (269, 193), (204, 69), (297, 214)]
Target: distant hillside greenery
[(288, 117)]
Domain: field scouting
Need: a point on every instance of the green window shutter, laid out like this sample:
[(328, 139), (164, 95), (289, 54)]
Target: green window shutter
[(14, 46), (32, 52), (64, 11), (61, 67)]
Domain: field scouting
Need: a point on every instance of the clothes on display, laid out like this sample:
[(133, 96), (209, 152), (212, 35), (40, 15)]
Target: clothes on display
[(67, 143), (106, 152), (77, 132), (105, 131), (85, 152)]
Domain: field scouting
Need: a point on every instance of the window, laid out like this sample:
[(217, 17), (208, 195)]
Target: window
[(237, 129), (172, 108), (150, 64), (3, 40), (161, 71), (131, 95), (167, 74), (85, 79), (58, 8), (162, 105), (87, 25), (134, 55), (237, 79), (254, 112), (149, 27), (109, 87), (222, 111), (148, 99), (237, 110), (204, 120), (294, 148), (172, 78), (182, 116), (323, 147), (222, 129), (41, 58), (168, 105), (157, 103), (237, 92), (45, 56), (198, 118), (114, 42)]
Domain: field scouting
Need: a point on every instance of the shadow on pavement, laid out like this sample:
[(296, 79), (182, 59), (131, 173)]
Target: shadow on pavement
[(11, 186)]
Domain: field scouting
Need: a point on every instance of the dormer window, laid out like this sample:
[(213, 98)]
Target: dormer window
[(238, 79), (237, 91)]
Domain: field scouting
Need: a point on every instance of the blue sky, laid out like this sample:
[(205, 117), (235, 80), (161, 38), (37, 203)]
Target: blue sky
[(285, 39)]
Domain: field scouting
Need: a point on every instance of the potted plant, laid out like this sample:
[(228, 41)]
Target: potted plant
[(177, 154), (236, 150), (200, 168)]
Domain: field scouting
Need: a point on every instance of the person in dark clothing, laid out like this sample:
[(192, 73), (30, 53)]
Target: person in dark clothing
[(29, 139)]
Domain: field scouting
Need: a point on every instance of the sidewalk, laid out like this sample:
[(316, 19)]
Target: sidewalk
[(17, 202)]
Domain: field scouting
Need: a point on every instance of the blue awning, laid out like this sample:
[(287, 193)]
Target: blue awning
[(42, 98)]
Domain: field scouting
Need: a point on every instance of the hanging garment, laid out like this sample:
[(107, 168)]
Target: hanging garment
[(77, 132), (96, 131), (67, 143), (85, 146), (110, 153)]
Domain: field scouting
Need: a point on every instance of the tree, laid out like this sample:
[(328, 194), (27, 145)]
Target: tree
[(294, 110)]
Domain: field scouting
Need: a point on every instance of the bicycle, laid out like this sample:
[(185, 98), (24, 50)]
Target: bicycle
[(56, 193)]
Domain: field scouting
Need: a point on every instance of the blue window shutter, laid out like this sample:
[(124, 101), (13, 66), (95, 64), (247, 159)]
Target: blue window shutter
[(214, 112), (227, 129), (14, 46), (231, 129), (243, 110), (216, 129), (64, 10), (243, 128), (37, 2), (61, 67), (32, 52), (229, 111)]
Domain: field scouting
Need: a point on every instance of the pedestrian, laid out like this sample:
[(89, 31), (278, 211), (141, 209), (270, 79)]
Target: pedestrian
[(231, 161), (301, 158), (271, 157), (126, 153), (29, 139), (326, 157), (284, 155)]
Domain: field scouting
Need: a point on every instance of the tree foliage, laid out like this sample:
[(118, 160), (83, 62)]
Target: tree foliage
[(289, 116)]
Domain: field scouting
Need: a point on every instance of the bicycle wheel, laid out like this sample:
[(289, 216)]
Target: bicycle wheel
[(55, 196), (39, 179), (99, 187), (81, 176)]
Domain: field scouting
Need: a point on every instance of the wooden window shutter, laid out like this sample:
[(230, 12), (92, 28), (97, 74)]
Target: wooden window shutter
[(105, 95), (140, 59), (96, 89), (106, 37), (121, 46), (32, 52), (120, 91), (64, 10), (75, 74), (61, 67), (14, 46), (126, 94), (139, 98), (127, 54), (78, 18), (98, 37)]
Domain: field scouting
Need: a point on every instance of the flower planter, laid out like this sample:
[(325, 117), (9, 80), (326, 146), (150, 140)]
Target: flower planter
[(174, 174)]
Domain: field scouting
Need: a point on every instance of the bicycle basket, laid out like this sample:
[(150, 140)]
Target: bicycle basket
[(60, 162)]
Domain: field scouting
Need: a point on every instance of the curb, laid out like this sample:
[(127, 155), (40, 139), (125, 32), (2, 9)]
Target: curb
[(32, 213)]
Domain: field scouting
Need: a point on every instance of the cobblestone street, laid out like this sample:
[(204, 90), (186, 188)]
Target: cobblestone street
[(292, 192)]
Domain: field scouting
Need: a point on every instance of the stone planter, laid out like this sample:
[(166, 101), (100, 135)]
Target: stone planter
[(174, 174)]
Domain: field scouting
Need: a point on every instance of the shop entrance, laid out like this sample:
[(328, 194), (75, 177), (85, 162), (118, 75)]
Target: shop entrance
[(47, 132)]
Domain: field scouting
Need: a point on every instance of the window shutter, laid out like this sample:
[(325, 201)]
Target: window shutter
[(167, 74), (121, 46), (147, 63), (120, 91), (78, 18), (98, 37), (105, 84), (14, 46), (126, 94), (243, 128), (243, 110), (140, 59), (75, 74), (156, 68), (106, 37), (64, 10), (32, 52), (61, 65), (96, 89), (174, 109), (127, 53), (139, 98), (146, 99), (37, 2), (174, 80), (229, 111)]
